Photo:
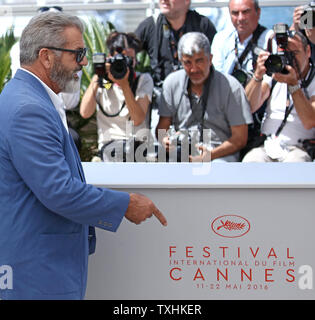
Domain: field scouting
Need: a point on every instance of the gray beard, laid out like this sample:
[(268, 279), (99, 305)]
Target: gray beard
[(67, 81), (72, 86)]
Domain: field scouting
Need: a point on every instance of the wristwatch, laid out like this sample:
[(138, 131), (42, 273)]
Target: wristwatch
[(294, 88)]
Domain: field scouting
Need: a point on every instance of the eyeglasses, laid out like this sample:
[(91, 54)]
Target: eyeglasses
[(54, 8), (79, 54)]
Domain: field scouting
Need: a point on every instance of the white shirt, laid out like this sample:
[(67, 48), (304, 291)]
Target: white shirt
[(293, 129), (119, 127), (56, 100), (223, 49)]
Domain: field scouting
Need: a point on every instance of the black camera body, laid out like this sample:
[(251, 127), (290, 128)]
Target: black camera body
[(119, 65), (242, 76), (307, 20), (276, 63)]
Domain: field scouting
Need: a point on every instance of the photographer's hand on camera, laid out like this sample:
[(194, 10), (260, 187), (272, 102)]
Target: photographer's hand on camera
[(297, 17), (291, 78), (256, 90), (205, 155), (261, 70)]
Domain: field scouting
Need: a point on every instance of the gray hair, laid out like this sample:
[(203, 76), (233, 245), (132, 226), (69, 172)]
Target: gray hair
[(255, 2), (193, 42), (45, 30)]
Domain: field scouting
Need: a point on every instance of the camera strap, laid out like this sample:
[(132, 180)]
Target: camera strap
[(133, 88), (203, 102), (304, 84), (253, 42), (288, 110)]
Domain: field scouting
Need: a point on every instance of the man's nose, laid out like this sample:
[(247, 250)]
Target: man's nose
[(193, 67), (84, 61)]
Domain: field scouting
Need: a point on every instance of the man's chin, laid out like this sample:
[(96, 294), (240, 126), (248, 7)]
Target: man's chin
[(197, 81), (72, 86)]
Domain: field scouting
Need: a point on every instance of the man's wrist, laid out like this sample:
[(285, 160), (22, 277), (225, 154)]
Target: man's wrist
[(257, 79), (294, 88)]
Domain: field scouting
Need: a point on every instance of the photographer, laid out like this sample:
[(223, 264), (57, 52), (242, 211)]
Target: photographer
[(303, 20), (121, 109), (290, 112), (233, 48), (199, 97)]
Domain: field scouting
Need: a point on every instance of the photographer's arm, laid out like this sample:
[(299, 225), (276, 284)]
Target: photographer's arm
[(88, 103), (304, 107), (256, 90), (296, 18), (236, 142)]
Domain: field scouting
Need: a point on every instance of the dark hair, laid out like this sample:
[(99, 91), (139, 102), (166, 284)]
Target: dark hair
[(303, 39), (118, 41)]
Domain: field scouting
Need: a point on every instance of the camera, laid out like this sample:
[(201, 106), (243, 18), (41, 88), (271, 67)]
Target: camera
[(119, 65), (307, 20), (276, 63), (242, 76), (185, 142)]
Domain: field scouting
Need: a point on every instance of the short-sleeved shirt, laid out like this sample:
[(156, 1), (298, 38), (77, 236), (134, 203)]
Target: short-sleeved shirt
[(119, 127), (227, 104), (276, 106), (155, 37)]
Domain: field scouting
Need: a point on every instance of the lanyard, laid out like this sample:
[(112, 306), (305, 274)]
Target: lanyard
[(252, 42), (173, 41)]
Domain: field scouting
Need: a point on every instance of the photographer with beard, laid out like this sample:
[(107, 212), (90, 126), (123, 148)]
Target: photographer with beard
[(122, 107), (290, 111)]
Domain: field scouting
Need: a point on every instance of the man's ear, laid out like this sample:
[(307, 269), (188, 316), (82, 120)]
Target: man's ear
[(210, 58), (46, 57)]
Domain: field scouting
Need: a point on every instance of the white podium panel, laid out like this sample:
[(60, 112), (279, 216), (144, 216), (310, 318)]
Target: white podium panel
[(230, 235)]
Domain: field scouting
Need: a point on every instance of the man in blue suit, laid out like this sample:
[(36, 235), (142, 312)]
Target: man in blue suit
[(48, 212)]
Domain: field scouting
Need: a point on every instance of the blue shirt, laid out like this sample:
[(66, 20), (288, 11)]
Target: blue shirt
[(225, 45)]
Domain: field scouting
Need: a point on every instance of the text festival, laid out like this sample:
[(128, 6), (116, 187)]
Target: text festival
[(224, 258)]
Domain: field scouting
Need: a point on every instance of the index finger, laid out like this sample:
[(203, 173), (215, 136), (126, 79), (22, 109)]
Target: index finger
[(160, 216)]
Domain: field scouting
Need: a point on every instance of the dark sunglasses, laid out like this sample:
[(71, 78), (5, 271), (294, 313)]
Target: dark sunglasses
[(54, 8), (79, 54)]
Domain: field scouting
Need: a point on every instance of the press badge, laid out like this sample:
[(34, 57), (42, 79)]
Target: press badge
[(274, 149)]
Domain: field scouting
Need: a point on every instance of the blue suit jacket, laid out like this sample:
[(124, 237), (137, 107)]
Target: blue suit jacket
[(46, 208)]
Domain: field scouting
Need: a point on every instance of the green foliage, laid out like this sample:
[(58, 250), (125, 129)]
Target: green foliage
[(143, 62), (6, 43)]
